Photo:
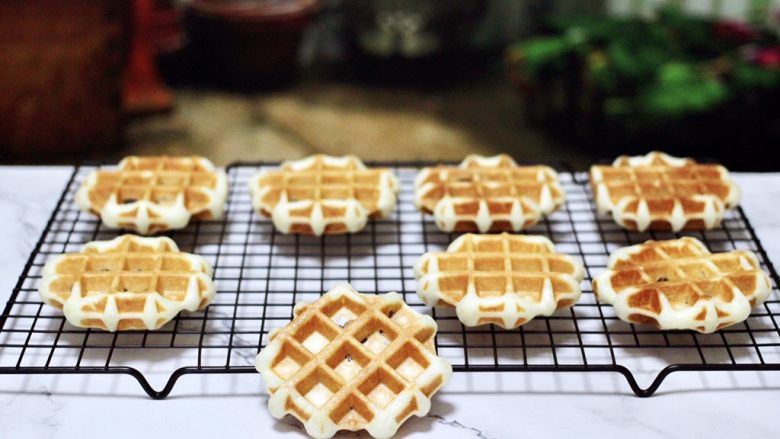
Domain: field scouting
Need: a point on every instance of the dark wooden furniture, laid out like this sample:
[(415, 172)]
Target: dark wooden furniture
[(60, 76)]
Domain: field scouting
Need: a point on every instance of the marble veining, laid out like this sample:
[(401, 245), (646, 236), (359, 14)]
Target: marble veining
[(455, 424)]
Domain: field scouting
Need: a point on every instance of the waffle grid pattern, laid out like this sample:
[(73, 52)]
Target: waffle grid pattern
[(661, 196), (127, 283), (376, 340), (260, 274), (153, 194), (501, 279), (488, 197), (681, 285), (323, 194)]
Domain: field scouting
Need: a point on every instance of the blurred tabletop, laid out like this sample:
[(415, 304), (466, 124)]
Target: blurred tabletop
[(483, 116)]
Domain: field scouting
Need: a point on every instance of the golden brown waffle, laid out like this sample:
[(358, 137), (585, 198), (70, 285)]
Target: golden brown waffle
[(679, 284), (506, 280), (352, 361), (487, 194), (127, 283), (324, 195), (154, 194), (660, 192)]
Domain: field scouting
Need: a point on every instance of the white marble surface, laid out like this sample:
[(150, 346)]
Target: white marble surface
[(487, 405)]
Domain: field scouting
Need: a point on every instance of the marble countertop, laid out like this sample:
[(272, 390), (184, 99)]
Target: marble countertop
[(474, 405)]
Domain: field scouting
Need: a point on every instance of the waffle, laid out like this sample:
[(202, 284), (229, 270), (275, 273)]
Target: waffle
[(324, 195), (506, 280), (487, 194), (154, 194), (679, 284), (352, 361), (660, 192), (126, 283)]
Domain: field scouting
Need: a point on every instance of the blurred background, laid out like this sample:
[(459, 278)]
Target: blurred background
[(543, 80)]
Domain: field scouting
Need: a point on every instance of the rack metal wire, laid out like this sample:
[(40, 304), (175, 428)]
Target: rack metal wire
[(260, 274)]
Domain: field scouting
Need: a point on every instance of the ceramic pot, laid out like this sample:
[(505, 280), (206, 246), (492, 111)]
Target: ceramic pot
[(248, 44)]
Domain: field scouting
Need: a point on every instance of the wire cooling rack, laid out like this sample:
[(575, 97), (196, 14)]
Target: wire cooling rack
[(261, 274)]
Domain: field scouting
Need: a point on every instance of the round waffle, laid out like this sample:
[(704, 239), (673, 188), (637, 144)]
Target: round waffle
[(660, 192), (126, 283), (154, 194), (487, 194), (352, 361), (679, 284), (324, 195), (506, 280)]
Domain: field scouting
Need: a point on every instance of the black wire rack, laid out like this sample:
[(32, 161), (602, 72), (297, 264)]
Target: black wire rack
[(260, 274)]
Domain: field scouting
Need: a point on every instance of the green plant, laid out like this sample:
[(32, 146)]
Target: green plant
[(666, 67)]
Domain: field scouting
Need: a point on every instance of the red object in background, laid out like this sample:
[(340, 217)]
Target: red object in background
[(768, 57), (143, 91), (166, 31), (734, 30)]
